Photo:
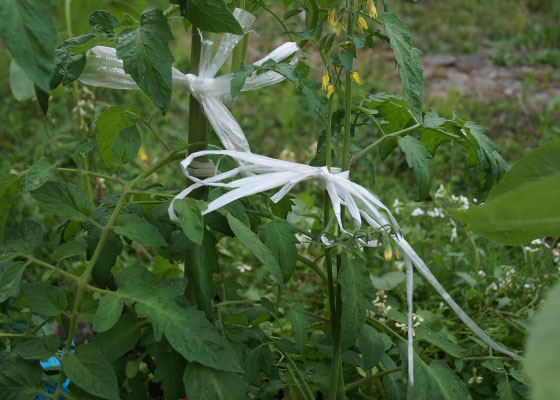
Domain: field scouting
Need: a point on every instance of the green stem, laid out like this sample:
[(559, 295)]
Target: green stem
[(198, 133), (365, 380), (313, 266), (238, 56), (86, 172), (158, 137), (372, 146)]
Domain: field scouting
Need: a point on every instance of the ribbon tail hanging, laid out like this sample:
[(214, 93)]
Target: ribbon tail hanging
[(427, 274)]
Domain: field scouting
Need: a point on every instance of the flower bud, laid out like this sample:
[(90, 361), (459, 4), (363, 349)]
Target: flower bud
[(362, 24), (325, 81), (356, 77), (388, 254), (330, 91), (331, 18), (372, 9)]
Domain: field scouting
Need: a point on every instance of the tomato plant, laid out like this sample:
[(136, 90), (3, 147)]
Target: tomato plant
[(159, 273)]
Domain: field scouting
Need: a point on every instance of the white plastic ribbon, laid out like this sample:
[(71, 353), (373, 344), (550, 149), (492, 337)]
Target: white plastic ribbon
[(266, 173), (104, 69)]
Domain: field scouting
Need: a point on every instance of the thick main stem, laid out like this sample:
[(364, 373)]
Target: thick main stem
[(198, 140), (336, 389)]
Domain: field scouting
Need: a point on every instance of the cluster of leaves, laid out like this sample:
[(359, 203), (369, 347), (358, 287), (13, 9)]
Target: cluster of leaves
[(152, 340)]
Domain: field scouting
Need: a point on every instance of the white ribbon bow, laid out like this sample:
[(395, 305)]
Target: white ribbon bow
[(104, 69), (266, 173)]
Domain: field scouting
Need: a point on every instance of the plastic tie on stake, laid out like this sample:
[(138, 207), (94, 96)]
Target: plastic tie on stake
[(105, 69), (262, 173)]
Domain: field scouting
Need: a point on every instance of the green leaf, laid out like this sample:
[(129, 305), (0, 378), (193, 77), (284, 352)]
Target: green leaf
[(108, 312), (435, 381), (542, 362), (39, 173), (38, 348), (120, 339), (88, 369), (70, 60), (357, 295), (146, 56), (505, 391), (432, 120), (416, 158), (281, 240), (21, 86), (239, 78), (108, 125), (29, 237), (537, 164), (437, 339), (126, 144), (64, 199), (253, 243), (103, 21), (203, 383), (187, 329), (10, 186), (20, 379), (29, 31), (110, 251), (69, 250), (202, 260), (10, 281), (389, 281), (189, 212), (519, 215), (371, 346), (210, 15), (259, 360), (408, 59), (136, 228), (299, 326), (45, 300), (490, 162), (170, 368)]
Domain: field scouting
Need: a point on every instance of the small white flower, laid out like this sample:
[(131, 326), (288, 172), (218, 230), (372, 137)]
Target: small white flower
[(436, 213), (417, 212), (481, 273), (244, 268), (453, 233), (440, 192), (397, 206)]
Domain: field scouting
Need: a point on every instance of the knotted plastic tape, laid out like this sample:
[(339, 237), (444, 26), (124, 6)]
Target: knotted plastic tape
[(104, 69), (262, 173)]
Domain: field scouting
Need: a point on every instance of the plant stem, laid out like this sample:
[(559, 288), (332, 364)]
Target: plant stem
[(238, 56), (158, 137), (365, 380), (86, 172), (76, 93), (370, 147), (198, 133), (313, 266)]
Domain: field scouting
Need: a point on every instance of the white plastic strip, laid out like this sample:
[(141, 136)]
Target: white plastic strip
[(409, 299), (266, 173), (105, 69)]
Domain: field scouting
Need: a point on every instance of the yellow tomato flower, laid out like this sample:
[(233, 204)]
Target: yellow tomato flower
[(325, 81), (331, 18), (142, 154), (388, 254), (362, 24), (330, 91), (356, 77), (339, 27), (372, 9)]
